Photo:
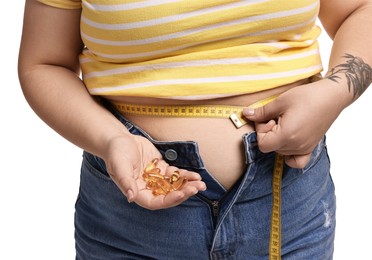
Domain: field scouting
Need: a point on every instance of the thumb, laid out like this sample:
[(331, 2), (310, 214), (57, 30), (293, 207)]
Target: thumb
[(261, 112)]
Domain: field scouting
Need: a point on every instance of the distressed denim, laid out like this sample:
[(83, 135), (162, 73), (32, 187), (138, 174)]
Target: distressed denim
[(214, 224)]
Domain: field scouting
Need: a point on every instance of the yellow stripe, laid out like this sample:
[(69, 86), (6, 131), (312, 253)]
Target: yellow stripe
[(193, 87)]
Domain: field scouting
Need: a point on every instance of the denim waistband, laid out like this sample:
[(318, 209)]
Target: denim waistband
[(188, 152)]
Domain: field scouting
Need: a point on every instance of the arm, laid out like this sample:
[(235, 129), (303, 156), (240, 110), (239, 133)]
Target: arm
[(49, 77), (347, 23), (295, 122)]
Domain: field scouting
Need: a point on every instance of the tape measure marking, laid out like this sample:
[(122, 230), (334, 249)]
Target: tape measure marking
[(235, 113), (275, 232)]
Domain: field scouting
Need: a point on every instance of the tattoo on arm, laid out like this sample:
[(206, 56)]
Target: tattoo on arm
[(358, 74)]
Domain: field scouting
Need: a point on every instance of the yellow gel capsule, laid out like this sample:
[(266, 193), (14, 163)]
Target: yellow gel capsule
[(165, 185), (151, 185), (160, 190), (152, 165), (174, 177), (177, 185)]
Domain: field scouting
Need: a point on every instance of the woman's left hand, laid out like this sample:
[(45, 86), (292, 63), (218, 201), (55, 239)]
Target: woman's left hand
[(295, 122)]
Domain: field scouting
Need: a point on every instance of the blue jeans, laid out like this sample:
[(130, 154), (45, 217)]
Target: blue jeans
[(214, 224)]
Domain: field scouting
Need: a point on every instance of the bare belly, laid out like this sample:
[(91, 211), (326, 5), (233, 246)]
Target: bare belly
[(220, 142)]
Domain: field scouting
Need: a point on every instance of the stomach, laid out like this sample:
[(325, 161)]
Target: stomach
[(226, 164)]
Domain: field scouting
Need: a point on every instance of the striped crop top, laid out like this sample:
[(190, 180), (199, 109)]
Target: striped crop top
[(195, 49)]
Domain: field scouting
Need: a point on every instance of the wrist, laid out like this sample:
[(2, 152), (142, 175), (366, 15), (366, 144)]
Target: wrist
[(351, 74), (340, 93), (115, 141), (120, 150)]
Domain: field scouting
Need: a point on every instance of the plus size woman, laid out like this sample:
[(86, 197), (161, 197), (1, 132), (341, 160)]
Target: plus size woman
[(156, 183)]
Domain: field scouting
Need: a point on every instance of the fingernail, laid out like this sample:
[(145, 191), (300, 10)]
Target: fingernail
[(130, 195)]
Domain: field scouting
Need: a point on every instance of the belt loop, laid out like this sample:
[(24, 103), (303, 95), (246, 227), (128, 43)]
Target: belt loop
[(251, 147)]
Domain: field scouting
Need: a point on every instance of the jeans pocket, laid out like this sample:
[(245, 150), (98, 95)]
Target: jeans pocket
[(316, 155), (95, 166)]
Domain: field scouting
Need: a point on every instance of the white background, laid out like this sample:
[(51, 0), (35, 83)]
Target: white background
[(40, 170)]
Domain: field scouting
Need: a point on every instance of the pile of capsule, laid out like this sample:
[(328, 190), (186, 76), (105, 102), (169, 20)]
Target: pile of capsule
[(161, 184)]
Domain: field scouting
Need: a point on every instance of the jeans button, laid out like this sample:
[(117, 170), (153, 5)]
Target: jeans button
[(171, 154)]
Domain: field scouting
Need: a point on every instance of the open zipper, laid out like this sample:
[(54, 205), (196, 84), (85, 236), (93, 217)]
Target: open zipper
[(214, 206)]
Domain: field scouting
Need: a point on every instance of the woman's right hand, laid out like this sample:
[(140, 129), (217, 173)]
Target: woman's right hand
[(49, 75), (127, 156)]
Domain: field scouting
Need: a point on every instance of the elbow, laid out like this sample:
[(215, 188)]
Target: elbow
[(333, 21)]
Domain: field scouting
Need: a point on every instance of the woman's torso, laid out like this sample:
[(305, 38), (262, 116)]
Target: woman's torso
[(198, 52), (220, 142)]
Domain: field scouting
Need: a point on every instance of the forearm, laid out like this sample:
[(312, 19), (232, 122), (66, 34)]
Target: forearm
[(60, 99), (351, 58), (48, 70)]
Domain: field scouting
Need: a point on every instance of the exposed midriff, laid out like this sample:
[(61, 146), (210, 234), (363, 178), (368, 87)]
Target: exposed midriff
[(219, 141)]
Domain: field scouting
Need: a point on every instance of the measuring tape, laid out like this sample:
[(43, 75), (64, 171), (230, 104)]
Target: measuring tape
[(275, 232), (235, 113)]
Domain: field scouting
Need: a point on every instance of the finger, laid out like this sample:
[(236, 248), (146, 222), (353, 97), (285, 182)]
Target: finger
[(265, 127), (190, 176), (271, 140), (175, 198), (265, 113), (193, 180), (172, 199), (295, 150), (290, 151), (297, 161), (124, 179)]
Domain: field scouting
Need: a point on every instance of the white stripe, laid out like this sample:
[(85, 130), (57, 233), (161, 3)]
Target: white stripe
[(139, 55), (201, 29), (164, 51), (85, 60), (283, 29), (168, 19), (200, 63), (129, 6), (225, 79)]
